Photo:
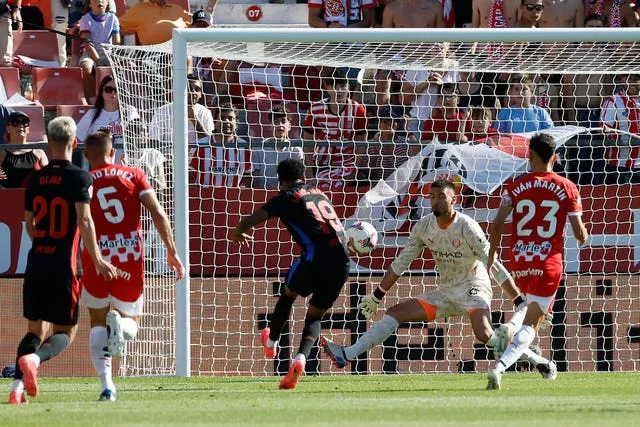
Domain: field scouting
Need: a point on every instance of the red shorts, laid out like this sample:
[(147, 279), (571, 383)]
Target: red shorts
[(127, 287), (539, 282)]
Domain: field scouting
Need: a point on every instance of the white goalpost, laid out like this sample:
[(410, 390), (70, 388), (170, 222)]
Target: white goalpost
[(209, 323)]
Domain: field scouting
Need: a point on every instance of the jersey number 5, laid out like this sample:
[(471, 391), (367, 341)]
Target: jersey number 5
[(549, 222), (112, 207), (324, 213)]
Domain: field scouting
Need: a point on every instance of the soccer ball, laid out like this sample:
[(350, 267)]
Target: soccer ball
[(362, 237)]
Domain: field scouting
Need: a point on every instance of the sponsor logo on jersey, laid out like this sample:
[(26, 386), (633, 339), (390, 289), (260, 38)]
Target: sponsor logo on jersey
[(530, 250), (121, 247), (518, 274)]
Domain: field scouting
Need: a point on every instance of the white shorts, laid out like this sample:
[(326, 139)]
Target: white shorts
[(461, 299), (545, 303), (128, 308)]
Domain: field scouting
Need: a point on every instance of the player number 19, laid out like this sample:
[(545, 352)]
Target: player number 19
[(324, 213), (113, 211), (528, 207)]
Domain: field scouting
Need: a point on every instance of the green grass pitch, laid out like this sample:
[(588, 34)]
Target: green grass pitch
[(584, 399)]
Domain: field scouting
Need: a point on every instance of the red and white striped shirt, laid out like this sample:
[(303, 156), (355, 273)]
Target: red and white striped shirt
[(623, 112), (327, 126), (344, 12), (218, 166)]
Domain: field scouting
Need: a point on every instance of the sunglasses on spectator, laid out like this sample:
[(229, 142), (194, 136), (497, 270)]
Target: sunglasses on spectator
[(19, 122), (110, 89), (536, 7)]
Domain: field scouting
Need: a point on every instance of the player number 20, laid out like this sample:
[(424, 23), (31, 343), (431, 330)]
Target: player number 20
[(112, 207), (548, 229)]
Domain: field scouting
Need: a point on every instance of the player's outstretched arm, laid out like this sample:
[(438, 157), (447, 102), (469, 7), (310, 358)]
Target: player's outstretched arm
[(578, 228), (239, 234), (162, 224), (88, 233)]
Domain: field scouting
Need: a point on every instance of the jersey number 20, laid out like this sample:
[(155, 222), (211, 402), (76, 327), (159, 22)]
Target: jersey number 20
[(549, 223)]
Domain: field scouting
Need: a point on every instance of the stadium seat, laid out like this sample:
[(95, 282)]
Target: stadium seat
[(101, 73), (74, 111), (41, 45), (37, 131), (11, 80), (58, 86)]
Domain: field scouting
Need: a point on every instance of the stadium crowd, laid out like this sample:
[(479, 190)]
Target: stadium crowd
[(365, 122)]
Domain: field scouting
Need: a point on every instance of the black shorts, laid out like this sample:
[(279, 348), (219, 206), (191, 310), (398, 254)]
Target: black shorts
[(51, 297), (322, 279)]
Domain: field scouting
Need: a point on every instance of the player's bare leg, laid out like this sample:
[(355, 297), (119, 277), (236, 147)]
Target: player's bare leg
[(98, 339), (408, 311), (310, 334)]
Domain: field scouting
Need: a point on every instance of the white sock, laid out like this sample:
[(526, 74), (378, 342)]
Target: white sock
[(379, 332), (101, 361), (17, 386), (271, 343), (36, 359), (491, 342), (129, 328), (518, 317), (533, 358), (301, 356), (521, 341)]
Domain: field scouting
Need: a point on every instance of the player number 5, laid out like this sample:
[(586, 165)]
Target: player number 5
[(113, 211)]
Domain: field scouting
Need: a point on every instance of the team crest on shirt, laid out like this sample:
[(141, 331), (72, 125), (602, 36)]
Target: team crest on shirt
[(456, 243), (335, 8)]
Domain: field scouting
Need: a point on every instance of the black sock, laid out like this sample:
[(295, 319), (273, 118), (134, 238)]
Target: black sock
[(280, 315), (28, 345), (53, 346), (310, 334)]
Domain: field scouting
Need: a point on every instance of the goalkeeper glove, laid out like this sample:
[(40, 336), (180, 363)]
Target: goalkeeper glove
[(369, 304)]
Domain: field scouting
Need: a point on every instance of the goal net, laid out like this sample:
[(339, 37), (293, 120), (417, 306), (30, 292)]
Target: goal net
[(377, 116)]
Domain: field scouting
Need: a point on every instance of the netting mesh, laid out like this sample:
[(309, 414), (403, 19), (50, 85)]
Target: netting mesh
[(375, 123)]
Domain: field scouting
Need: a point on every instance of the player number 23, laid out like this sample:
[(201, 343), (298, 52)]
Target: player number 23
[(112, 207), (549, 222)]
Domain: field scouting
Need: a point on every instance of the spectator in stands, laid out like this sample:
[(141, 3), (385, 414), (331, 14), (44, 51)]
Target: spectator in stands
[(274, 150), (153, 21), (473, 93), (7, 15), (568, 13), (387, 150), (614, 12), (420, 89), (447, 123), (336, 119), (481, 124), (494, 13), (621, 112), (4, 118), (341, 13), (630, 14), (521, 115), (223, 159), (105, 115), (19, 164), (200, 124), (530, 13), (413, 14), (99, 26)]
